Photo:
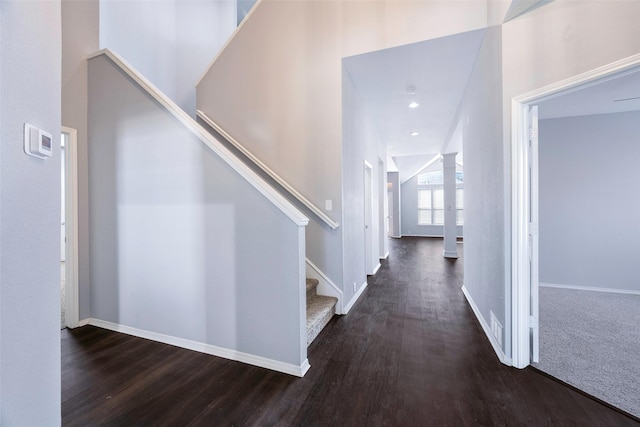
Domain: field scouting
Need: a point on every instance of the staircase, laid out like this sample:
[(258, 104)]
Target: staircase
[(320, 309)]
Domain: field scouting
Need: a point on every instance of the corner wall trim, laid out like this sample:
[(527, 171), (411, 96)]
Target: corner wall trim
[(213, 350), (487, 330)]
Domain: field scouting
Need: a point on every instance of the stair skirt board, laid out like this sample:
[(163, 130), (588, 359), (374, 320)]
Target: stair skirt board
[(213, 350)]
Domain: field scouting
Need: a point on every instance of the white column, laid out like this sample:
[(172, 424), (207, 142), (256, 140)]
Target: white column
[(449, 172)]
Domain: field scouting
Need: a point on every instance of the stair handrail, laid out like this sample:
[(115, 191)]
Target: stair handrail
[(277, 178), (208, 139)]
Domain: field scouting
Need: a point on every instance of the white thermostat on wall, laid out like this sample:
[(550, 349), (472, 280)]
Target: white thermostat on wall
[(37, 142)]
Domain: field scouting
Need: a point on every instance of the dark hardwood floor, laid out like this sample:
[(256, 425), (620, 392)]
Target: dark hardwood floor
[(410, 353)]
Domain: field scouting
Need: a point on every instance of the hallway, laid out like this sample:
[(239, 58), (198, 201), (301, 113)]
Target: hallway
[(410, 353)]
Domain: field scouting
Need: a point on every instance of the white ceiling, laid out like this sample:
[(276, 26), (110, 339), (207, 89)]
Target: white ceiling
[(437, 70), (611, 95)]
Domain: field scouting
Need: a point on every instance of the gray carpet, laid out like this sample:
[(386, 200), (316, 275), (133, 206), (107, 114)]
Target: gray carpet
[(591, 340)]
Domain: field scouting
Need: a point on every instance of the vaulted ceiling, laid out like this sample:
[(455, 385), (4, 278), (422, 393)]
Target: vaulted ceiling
[(617, 94), (433, 73)]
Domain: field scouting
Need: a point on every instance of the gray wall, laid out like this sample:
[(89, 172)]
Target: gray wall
[(180, 243), (29, 216), (361, 142), (170, 42), (484, 226), (80, 23), (589, 231)]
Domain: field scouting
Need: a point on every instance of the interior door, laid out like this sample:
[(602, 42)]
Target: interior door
[(532, 120), (368, 218), (63, 232), (388, 216)]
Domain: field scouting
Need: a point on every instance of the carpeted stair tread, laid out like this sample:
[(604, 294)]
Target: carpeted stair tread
[(312, 284), (320, 310)]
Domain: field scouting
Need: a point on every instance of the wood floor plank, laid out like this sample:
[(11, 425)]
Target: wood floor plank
[(410, 353)]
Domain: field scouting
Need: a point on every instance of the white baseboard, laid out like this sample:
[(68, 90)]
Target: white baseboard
[(355, 297), (435, 236), (83, 322), (325, 285), (376, 268), (487, 329), (213, 350), (589, 288), (385, 256)]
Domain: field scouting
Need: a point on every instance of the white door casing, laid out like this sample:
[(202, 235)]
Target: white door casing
[(368, 218), (532, 126), (524, 198), (71, 225)]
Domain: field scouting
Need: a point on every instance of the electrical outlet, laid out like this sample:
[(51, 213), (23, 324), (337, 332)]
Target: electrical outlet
[(355, 287)]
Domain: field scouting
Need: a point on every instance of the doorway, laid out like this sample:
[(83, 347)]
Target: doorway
[(69, 227), (524, 212), (368, 219)]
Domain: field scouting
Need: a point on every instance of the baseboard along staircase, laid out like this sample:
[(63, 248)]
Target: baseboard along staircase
[(320, 310)]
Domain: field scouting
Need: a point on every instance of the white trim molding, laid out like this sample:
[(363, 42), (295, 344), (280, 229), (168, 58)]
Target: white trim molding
[(487, 329), (71, 228), (590, 288), (325, 285), (376, 268), (250, 359), (216, 146), (277, 178), (355, 297)]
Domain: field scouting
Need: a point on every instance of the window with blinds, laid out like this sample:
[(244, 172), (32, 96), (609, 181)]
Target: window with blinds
[(431, 199)]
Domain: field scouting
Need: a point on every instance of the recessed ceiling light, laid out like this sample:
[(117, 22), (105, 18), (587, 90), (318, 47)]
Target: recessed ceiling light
[(414, 104), (414, 133)]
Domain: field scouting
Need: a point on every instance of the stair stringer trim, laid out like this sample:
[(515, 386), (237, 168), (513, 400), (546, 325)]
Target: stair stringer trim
[(325, 286), (205, 136), (238, 356)]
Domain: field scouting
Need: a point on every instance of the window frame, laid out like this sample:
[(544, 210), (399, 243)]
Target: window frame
[(432, 209)]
